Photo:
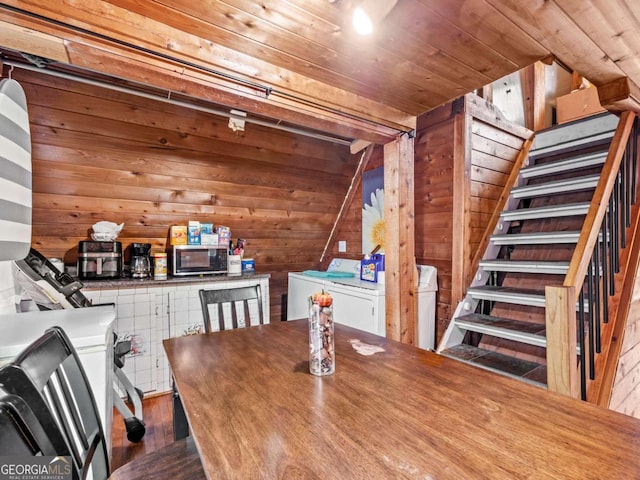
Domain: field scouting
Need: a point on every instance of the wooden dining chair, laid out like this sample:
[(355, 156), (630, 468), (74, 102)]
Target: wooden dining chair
[(50, 378), (225, 302), (51, 368)]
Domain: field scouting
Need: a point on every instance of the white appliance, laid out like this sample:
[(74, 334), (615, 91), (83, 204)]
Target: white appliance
[(360, 304), (426, 292), (91, 333), (356, 303)]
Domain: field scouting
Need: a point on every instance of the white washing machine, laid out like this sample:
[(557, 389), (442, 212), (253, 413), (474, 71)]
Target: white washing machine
[(360, 304), (356, 303)]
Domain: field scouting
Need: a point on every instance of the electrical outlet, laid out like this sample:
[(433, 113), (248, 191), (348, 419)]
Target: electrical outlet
[(342, 246)]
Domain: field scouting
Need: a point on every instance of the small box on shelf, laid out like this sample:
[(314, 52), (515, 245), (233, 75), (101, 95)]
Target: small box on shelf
[(194, 232), (178, 235), (224, 235), (248, 265)]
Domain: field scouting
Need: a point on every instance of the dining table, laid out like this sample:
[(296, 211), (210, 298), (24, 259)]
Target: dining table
[(390, 410)]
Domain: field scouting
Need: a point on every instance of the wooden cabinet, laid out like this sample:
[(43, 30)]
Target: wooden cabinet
[(150, 313)]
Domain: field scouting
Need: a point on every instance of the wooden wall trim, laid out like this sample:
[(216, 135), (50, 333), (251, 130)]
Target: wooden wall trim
[(489, 113), (534, 96), (400, 278), (619, 95), (461, 261), (36, 43), (441, 114)]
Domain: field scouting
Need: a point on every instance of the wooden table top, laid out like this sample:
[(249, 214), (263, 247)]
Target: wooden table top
[(256, 412)]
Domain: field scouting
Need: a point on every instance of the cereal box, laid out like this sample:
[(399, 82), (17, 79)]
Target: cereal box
[(178, 235)]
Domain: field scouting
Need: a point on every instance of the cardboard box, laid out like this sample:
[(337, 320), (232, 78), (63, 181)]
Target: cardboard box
[(194, 233), (178, 235), (207, 235), (224, 235), (578, 104), (209, 239)]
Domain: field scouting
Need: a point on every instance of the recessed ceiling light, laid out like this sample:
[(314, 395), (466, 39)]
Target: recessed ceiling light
[(362, 22), (369, 13)]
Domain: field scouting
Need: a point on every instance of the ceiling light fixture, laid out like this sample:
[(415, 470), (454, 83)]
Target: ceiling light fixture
[(236, 120), (370, 13)]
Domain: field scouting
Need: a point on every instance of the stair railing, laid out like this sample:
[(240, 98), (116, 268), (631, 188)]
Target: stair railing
[(585, 302)]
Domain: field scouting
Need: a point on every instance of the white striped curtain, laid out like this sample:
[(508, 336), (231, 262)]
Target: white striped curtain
[(15, 172)]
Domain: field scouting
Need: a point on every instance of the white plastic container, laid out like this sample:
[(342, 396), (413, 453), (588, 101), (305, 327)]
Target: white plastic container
[(426, 293), (235, 265), (160, 266)]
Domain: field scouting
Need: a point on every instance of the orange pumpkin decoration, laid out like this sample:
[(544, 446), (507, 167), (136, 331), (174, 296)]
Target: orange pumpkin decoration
[(323, 299)]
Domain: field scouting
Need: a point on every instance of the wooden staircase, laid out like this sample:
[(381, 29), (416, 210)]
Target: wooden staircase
[(548, 207)]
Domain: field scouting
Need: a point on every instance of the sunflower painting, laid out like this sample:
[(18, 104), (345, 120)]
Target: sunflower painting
[(373, 210)]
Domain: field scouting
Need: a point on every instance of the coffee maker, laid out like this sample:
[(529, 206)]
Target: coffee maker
[(140, 261)]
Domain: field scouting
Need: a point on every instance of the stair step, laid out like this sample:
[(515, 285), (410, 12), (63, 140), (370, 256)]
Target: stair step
[(514, 296), (565, 210), (567, 165), (523, 332), (530, 372), (525, 266), (573, 144), (559, 186), (517, 296), (538, 238), (586, 131)]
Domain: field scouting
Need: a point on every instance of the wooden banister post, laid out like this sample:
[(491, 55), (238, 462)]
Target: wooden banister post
[(562, 357)]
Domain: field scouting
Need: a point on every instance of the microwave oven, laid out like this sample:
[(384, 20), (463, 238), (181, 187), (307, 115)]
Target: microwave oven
[(196, 260)]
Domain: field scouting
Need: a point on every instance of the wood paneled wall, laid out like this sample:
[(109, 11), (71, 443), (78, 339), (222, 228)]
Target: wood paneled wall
[(104, 155), (434, 171), (495, 144)]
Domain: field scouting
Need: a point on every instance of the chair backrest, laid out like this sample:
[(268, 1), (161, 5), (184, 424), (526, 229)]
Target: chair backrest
[(20, 431), (224, 301), (51, 365)]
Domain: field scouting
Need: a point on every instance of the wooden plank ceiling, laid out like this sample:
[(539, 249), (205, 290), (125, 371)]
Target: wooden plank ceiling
[(299, 62)]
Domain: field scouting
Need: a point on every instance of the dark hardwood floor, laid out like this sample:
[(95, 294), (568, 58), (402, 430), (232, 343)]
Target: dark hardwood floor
[(157, 412)]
